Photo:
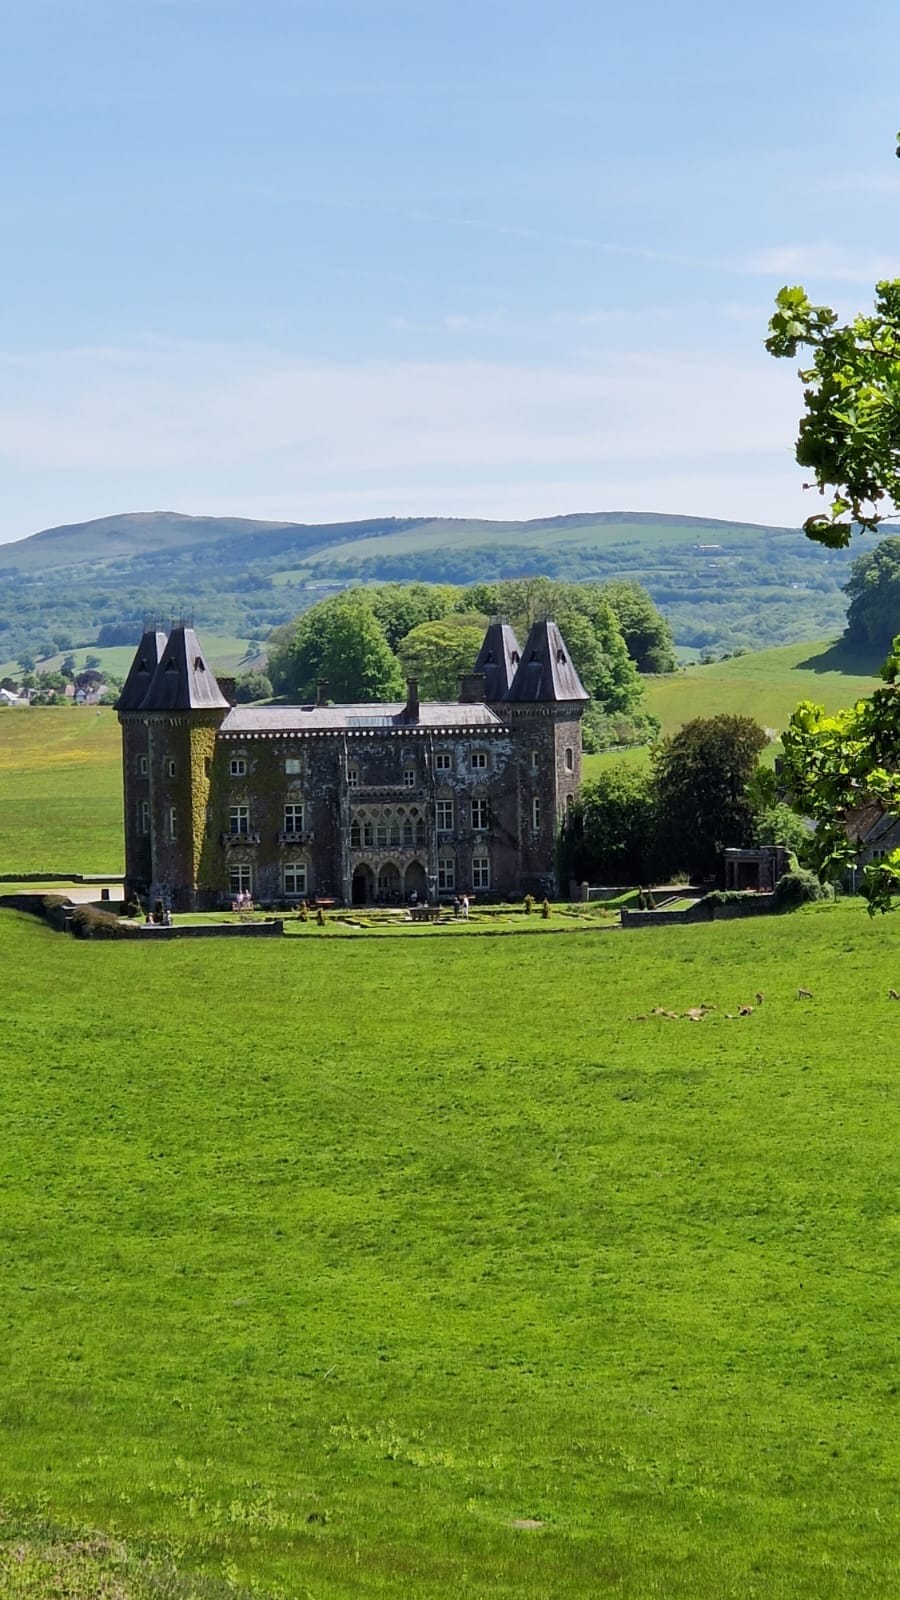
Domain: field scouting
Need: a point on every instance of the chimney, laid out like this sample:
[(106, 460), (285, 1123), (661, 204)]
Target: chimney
[(411, 709), (321, 691), (471, 688)]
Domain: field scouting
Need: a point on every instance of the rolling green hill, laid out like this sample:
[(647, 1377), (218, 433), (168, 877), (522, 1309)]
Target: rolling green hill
[(720, 584), (421, 1268)]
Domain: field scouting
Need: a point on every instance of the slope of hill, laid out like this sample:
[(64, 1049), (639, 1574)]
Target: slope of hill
[(720, 584)]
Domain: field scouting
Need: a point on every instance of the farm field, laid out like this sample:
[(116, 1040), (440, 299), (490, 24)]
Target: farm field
[(60, 790), (384, 1269), (765, 684)]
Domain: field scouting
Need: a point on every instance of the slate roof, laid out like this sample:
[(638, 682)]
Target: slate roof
[(357, 719), (140, 673), (183, 680), (498, 659), (546, 671)]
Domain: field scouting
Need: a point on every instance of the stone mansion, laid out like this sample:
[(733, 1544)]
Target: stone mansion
[(358, 803)]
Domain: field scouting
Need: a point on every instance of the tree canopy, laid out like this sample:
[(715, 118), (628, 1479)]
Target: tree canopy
[(873, 589), (341, 641), (849, 435), (438, 653), (363, 641), (702, 773)]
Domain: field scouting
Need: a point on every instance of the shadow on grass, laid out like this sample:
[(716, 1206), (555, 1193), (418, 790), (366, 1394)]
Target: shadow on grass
[(855, 661)]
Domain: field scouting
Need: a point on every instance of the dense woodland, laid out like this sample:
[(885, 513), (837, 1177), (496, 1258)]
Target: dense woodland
[(364, 642)]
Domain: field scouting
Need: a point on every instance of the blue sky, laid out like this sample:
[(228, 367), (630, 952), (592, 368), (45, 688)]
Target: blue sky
[(321, 259)]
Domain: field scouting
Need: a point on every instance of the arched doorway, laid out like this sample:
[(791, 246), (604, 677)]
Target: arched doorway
[(362, 891), (415, 881), (389, 883)]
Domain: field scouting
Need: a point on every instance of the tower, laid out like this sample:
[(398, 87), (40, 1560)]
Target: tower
[(544, 704), (168, 737)]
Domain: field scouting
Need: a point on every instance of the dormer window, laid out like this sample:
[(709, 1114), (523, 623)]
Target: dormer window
[(561, 657), (170, 665), (198, 665), (515, 658)]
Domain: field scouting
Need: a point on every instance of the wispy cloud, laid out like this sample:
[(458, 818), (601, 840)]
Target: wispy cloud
[(139, 423), (824, 262)]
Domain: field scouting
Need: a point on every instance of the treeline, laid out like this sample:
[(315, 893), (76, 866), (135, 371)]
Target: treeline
[(365, 642), (703, 792)]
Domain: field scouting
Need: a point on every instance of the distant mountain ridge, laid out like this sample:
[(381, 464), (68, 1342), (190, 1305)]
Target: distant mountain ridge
[(722, 585), (136, 533)]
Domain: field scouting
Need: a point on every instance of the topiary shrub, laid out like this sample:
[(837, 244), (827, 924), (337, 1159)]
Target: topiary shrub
[(800, 888), (89, 923)]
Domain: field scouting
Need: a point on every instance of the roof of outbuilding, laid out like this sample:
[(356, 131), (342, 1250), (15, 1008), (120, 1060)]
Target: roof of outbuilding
[(390, 717), (183, 680), (546, 671)]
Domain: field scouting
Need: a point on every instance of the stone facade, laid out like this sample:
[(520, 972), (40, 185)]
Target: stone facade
[(359, 804)]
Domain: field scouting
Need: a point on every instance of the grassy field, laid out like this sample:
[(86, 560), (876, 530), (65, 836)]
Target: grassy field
[(60, 790), (765, 684), (377, 1268), (226, 653)]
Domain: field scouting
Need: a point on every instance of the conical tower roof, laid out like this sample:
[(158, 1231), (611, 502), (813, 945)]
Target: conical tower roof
[(140, 673), (184, 680), (545, 671), (498, 659)]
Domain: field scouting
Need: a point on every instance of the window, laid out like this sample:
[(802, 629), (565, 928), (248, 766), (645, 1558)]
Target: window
[(534, 760), (293, 817), (443, 761), (409, 777), (570, 759), (480, 814), (481, 871), (446, 870), (292, 766), (173, 822), (395, 831), (144, 817), (171, 769), (443, 816), (238, 821), (143, 766), (295, 877), (381, 833), (237, 767), (239, 879), (478, 760), (409, 832), (353, 777), (536, 813), (355, 835)]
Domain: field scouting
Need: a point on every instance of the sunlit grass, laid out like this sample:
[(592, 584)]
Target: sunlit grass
[(418, 1267)]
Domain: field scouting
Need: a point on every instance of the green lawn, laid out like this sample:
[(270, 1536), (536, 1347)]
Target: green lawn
[(765, 684), (351, 1268), (60, 790)]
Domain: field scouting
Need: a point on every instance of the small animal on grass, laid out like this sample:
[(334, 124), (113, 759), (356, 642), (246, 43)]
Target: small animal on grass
[(742, 1011), (804, 994), (760, 997), (893, 995)]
